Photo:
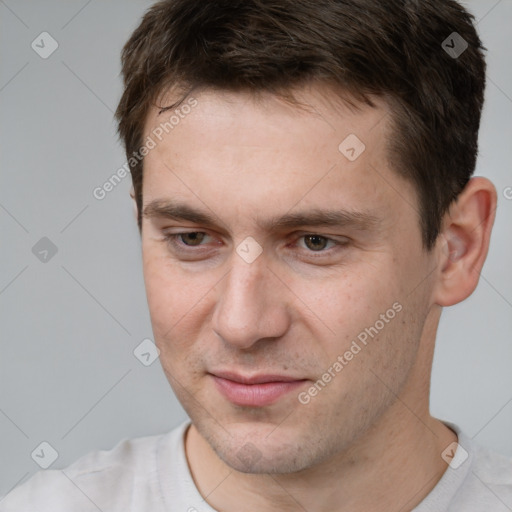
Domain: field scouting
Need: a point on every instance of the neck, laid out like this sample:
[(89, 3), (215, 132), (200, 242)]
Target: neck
[(392, 467)]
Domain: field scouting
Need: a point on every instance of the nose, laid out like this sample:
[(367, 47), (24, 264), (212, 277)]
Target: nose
[(252, 305)]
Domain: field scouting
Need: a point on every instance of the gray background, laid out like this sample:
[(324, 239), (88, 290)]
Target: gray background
[(69, 325)]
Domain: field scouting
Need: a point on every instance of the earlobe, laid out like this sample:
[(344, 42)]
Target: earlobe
[(464, 241)]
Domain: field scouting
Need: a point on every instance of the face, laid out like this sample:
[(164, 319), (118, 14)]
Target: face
[(285, 274)]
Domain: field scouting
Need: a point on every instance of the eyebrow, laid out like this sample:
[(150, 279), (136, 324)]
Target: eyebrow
[(360, 220)]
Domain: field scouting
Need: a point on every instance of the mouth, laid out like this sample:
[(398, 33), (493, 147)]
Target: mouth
[(255, 390)]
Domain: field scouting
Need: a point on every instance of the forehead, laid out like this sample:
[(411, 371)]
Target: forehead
[(247, 153), (314, 106)]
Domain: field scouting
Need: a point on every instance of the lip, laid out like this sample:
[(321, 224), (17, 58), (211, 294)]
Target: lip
[(255, 379), (255, 390)]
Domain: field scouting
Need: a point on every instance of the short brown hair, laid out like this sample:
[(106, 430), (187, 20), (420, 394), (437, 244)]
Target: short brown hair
[(392, 49)]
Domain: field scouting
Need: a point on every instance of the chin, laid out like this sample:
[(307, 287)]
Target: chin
[(257, 459), (259, 451)]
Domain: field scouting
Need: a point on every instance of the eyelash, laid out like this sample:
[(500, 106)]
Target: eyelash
[(172, 240)]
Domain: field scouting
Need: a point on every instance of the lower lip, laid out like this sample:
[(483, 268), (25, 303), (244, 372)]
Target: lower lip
[(255, 395)]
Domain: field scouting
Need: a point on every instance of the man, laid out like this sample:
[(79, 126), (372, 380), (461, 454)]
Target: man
[(302, 181)]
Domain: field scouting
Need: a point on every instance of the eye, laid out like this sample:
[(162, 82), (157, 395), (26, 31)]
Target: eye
[(193, 238), (317, 243), (185, 239), (190, 242)]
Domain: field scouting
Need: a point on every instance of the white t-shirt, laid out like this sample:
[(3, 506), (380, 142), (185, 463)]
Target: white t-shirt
[(151, 474)]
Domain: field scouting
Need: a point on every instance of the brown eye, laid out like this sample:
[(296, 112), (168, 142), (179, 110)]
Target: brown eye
[(193, 238), (315, 242)]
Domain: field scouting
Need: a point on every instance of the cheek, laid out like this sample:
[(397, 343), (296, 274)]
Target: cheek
[(167, 293), (374, 346), (178, 301), (350, 300), (367, 316)]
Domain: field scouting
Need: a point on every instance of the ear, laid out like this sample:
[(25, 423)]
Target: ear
[(134, 203), (464, 241)]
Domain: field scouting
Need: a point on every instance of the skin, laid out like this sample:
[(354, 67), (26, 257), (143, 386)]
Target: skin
[(366, 441)]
